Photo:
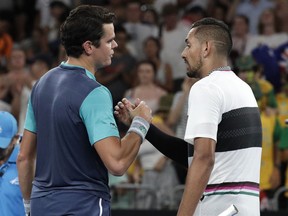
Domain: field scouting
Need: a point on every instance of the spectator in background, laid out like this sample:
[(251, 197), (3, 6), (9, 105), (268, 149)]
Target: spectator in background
[(137, 30), (17, 76), (252, 73), (58, 11), (171, 30), (220, 6), (39, 66), (270, 173), (219, 11), (159, 4), (37, 44), (6, 42), (164, 76), (44, 17), (4, 89), (149, 16), (253, 10), (11, 203), (193, 14), (177, 119), (282, 101), (119, 8), (146, 88), (154, 168), (269, 33), (240, 35), (281, 9)]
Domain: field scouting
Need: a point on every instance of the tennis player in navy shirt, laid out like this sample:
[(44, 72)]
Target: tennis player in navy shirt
[(71, 140)]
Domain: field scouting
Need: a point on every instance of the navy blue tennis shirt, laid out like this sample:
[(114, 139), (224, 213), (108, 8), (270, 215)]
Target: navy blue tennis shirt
[(70, 111)]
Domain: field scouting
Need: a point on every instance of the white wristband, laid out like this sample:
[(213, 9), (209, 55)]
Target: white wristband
[(140, 126), (26, 207)]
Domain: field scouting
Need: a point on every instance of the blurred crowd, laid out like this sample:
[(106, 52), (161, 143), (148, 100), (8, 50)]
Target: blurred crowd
[(147, 64)]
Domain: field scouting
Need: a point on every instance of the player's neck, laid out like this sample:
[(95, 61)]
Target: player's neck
[(82, 63)]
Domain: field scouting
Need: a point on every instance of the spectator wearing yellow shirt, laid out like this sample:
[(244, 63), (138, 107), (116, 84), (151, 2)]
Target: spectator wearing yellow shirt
[(270, 175)]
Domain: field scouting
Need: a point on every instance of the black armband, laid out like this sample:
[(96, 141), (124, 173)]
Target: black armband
[(172, 147)]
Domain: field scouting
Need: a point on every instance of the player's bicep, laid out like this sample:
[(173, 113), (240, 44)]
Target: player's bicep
[(97, 114), (28, 144), (30, 123), (204, 113)]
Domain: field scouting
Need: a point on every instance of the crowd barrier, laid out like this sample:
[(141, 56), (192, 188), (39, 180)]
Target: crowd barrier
[(176, 194)]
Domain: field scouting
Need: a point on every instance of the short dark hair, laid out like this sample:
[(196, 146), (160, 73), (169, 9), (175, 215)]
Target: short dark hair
[(212, 29), (85, 22)]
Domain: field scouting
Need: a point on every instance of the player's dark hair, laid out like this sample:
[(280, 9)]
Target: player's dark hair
[(212, 29), (84, 23)]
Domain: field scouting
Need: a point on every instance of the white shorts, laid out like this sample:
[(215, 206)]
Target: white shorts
[(215, 204)]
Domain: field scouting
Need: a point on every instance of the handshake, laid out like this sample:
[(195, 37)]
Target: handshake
[(138, 116), (126, 111)]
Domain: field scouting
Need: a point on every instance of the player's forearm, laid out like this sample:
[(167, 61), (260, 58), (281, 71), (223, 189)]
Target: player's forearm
[(196, 182), (131, 142), (172, 147), (26, 175), (130, 145)]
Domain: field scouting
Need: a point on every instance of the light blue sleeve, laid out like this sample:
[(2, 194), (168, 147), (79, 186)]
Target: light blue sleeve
[(30, 123), (96, 112)]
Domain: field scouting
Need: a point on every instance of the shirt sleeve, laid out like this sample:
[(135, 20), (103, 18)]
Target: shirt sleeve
[(30, 123), (204, 112), (96, 112)]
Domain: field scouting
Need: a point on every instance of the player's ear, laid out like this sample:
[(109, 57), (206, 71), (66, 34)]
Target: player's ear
[(206, 48), (87, 47)]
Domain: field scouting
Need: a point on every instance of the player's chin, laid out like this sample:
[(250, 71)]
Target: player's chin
[(192, 74), (107, 62)]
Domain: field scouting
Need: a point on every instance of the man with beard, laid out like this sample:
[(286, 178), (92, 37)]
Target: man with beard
[(223, 132)]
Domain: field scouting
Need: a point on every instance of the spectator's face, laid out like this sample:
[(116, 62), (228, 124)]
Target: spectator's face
[(267, 17), (38, 69), (145, 73), (17, 59), (240, 27), (148, 17), (171, 21), (133, 12), (5, 152), (104, 53), (192, 55), (150, 48)]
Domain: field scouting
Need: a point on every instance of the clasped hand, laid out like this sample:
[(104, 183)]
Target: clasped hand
[(126, 111)]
